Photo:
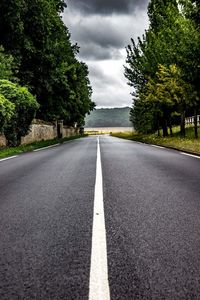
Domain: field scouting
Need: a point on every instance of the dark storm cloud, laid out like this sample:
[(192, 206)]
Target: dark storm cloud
[(102, 43), (105, 34), (92, 51), (102, 38), (107, 7)]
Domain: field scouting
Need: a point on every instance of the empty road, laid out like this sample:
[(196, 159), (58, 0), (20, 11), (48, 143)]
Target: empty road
[(100, 218)]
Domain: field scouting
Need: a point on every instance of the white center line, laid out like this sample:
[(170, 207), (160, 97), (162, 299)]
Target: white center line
[(192, 155), (7, 158), (99, 286)]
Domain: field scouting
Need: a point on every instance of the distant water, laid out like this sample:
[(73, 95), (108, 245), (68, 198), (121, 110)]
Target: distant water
[(109, 129)]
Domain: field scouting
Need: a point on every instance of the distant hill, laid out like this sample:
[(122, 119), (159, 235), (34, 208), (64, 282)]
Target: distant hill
[(109, 117)]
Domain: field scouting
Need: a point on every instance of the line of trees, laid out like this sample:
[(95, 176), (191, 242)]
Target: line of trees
[(37, 58), (163, 67)]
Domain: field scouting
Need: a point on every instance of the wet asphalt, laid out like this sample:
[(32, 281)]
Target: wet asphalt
[(152, 216)]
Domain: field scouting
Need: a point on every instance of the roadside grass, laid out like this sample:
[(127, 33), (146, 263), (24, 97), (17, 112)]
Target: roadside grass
[(187, 144), (10, 151)]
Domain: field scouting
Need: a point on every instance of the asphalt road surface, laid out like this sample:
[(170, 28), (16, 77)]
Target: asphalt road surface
[(151, 202)]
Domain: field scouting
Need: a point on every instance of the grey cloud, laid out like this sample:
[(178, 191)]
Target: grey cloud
[(92, 51), (107, 7), (112, 98), (96, 72), (101, 78), (105, 34), (102, 38), (102, 29), (109, 87)]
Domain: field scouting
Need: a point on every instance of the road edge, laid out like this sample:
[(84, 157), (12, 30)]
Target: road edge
[(159, 145), (36, 146)]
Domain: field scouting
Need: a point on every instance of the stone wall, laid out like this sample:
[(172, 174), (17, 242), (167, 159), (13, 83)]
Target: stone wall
[(2, 140), (42, 131), (69, 131)]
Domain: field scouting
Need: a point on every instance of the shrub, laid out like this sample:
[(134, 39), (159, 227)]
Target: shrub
[(25, 109), (6, 111)]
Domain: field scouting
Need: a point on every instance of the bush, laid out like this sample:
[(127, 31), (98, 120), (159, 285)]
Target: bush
[(6, 111), (25, 109)]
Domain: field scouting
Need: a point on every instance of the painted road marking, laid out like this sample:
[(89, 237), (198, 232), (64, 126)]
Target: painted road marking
[(40, 149), (99, 286), (156, 146), (7, 158), (192, 155)]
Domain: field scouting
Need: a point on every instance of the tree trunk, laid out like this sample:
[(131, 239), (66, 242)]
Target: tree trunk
[(195, 124), (183, 123), (171, 131), (158, 128), (164, 128), (170, 127)]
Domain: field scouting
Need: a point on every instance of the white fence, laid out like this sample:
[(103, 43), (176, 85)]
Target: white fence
[(190, 120)]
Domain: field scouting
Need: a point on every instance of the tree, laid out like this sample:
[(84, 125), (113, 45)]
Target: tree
[(25, 108), (171, 93), (34, 33), (82, 91), (192, 11), (144, 115), (60, 5), (172, 39)]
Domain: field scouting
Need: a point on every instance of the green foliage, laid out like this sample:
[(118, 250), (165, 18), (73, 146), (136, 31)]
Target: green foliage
[(82, 92), (34, 33), (6, 111), (158, 12), (60, 5), (169, 89), (6, 65), (25, 108), (146, 123), (164, 66)]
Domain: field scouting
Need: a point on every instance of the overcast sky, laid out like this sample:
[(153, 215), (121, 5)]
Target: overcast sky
[(102, 29)]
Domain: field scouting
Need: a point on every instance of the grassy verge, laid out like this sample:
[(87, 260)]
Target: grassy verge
[(188, 144), (6, 152)]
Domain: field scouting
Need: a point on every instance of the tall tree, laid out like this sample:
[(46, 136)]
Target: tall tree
[(34, 33), (192, 10), (171, 39)]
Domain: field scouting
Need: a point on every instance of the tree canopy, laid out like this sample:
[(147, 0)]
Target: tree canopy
[(33, 34), (7, 65), (163, 66)]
